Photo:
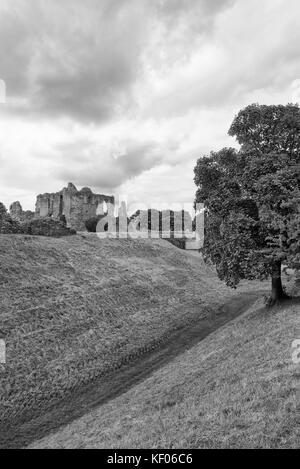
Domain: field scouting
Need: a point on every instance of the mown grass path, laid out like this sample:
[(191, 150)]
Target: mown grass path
[(87, 397)]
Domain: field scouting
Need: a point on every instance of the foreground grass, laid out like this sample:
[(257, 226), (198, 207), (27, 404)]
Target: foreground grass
[(75, 308), (238, 388)]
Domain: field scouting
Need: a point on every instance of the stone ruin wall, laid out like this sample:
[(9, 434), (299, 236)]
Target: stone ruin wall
[(76, 206)]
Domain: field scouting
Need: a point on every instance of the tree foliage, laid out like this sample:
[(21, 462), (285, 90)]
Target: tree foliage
[(46, 226), (166, 220), (252, 197), (37, 226)]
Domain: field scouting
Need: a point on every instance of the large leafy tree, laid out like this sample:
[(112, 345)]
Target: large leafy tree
[(252, 197)]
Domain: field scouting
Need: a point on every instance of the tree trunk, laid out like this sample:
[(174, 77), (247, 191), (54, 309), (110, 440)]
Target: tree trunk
[(277, 290)]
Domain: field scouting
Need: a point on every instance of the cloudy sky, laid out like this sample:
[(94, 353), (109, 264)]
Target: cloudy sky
[(124, 95)]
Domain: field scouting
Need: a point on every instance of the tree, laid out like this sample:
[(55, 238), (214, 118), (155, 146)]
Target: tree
[(252, 197)]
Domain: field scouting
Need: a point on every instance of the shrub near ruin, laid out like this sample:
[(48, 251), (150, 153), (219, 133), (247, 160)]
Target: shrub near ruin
[(47, 227), (91, 223), (37, 226)]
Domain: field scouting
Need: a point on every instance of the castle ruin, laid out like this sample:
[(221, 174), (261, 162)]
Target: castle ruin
[(72, 205), (76, 206)]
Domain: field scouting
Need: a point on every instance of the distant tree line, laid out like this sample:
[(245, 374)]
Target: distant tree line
[(149, 220)]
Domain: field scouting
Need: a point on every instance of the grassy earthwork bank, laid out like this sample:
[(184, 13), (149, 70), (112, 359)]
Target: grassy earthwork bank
[(73, 309), (238, 388)]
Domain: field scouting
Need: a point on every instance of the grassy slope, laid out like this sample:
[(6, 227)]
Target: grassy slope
[(74, 308), (236, 388)]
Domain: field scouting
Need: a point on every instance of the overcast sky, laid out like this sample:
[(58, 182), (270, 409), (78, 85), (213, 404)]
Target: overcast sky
[(124, 95)]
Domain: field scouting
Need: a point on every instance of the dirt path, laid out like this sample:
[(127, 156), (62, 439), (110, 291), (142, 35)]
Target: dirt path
[(112, 385)]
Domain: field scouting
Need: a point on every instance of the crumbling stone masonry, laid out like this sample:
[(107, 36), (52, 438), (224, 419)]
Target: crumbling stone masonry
[(18, 214), (76, 206)]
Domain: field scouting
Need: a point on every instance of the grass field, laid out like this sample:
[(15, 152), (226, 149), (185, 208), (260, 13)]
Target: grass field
[(75, 308), (238, 388)]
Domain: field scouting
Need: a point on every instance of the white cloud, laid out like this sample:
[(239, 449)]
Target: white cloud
[(126, 95)]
